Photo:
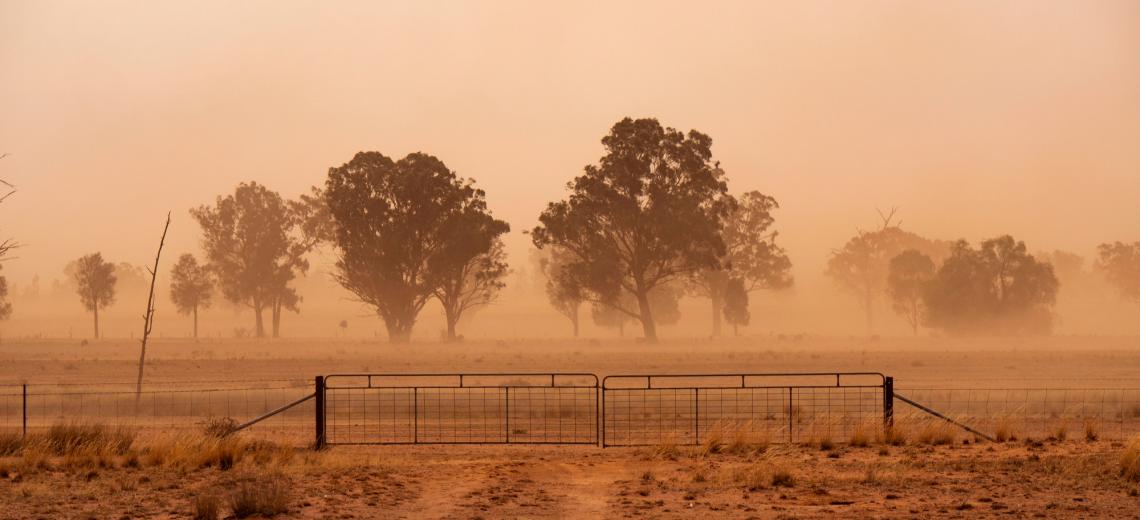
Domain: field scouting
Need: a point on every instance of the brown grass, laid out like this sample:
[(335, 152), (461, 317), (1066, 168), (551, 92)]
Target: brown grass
[(937, 433), (263, 494), (860, 436), (1061, 431), (1004, 430), (206, 507), (893, 436), (1092, 430), (1130, 460)]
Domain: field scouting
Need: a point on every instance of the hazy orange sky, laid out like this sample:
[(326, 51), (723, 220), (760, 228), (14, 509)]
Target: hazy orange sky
[(977, 118)]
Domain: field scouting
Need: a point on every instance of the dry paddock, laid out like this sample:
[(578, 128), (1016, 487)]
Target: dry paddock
[(1016, 479), (929, 473)]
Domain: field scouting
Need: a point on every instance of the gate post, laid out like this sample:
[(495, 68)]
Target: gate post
[(319, 388), (888, 401)]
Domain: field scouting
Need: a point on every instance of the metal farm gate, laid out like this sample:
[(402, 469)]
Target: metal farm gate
[(640, 410), (485, 408)]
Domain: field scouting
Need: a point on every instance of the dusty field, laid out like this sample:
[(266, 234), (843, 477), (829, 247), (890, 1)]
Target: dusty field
[(1050, 480), (1035, 478), (914, 362)]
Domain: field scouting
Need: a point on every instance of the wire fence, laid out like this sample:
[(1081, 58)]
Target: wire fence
[(622, 411), (165, 409), (689, 410), (461, 409), (1039, 412)]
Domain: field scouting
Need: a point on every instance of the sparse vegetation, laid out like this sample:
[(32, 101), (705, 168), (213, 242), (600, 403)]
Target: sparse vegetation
[(263, 494), (1130, 460), (207, 507)]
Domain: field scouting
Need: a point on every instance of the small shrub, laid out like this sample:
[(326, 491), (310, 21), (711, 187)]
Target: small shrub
[(860, 438), (1130, 460), (783, 478), (219, 427), (265, 495), (206, 507), (826, 444)]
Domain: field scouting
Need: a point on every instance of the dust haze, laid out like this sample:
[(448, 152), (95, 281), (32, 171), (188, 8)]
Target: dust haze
[(974, 120)]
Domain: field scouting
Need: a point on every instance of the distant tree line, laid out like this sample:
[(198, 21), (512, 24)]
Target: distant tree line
[(652, 221)]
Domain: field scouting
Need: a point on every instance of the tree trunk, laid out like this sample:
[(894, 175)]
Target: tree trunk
[(258, 323), (735, 329), (398, 332), (621, 327), (647, 324), (717, 311), (868, 300), (452, 320), (574, 320), (96, 320), (195, 322), (276, 317)]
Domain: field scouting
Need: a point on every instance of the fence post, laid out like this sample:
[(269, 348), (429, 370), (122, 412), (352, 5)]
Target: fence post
[(888, 401), (24, 414), (319, 392)]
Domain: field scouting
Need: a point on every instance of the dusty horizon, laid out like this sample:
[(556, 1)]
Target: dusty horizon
[(975, 120)]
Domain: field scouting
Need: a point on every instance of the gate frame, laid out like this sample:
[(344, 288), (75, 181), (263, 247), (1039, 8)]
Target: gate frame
[(887, 385), (322, 386)]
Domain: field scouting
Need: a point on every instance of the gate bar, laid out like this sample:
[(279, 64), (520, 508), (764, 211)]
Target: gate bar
[(943, 417)]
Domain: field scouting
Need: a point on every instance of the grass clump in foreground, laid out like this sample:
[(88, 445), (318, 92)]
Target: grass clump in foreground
[(261, 494), (1130, 460)]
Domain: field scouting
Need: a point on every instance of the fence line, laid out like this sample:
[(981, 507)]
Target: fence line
[(622, 410)]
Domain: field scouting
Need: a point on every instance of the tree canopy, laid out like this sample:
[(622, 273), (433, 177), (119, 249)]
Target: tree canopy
[(255, 244), (95, 283), (404, 230), (191, 287), (751, 255), (649, 213), (997, 288), (561, 290), (1120, 264), (908, 276), (861, 266), (736, 305)]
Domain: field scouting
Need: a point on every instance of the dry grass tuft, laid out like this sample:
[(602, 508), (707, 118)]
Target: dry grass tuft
[(745, 439), (937, 433), (1061, 432), (10, 444), (860, 437), (263, 494), (1004, 431), (1130, 460), (782, 477), (1092, 430), (893, 436), (77, 439), (207, 507), (713, 443)]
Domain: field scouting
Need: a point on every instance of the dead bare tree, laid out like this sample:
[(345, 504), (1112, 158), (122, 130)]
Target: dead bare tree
[(7, 244), (148, 318)]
